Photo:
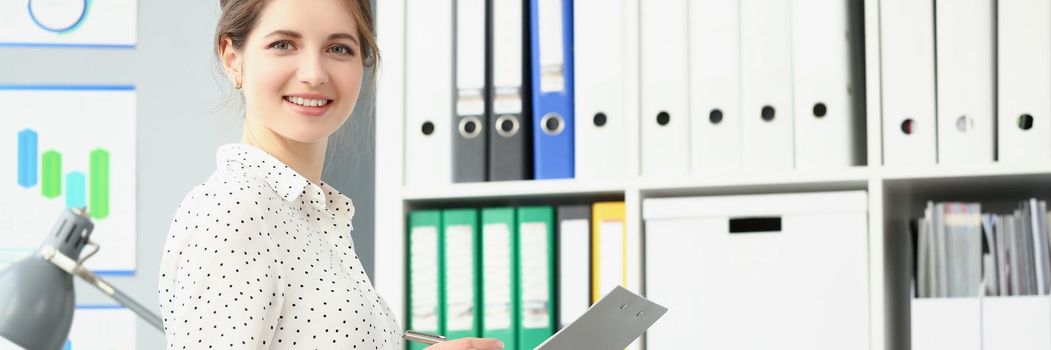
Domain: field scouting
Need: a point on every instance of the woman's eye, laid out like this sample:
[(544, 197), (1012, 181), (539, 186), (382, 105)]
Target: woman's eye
[(281, 45), (342, 50)]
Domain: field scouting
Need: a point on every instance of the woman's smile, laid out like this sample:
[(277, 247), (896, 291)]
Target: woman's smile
[(309, 105)]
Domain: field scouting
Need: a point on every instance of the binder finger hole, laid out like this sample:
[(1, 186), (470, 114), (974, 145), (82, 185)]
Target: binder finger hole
[(470, 127), (600, 119), (663, 118), (964, 123), (427, 128), (820, 110), (715, 116), (767, 113), (553, 124), (907, 126), (1025, 122), (507, 125)]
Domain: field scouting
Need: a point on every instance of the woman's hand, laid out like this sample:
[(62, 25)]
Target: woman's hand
[(468, 344)]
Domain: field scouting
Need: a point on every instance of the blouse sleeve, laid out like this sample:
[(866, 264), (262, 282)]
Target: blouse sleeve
[(225, 285)]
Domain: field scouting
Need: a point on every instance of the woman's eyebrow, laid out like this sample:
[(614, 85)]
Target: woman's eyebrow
[(284, 32), (343, 36), (296, 35)]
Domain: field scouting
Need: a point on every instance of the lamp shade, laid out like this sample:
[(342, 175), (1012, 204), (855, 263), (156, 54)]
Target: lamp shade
[(36, 297)]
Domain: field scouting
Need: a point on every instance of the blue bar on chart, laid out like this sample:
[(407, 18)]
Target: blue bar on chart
[(75, 190), (27, 158)]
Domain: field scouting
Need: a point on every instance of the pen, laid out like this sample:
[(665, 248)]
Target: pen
[(422, 337)]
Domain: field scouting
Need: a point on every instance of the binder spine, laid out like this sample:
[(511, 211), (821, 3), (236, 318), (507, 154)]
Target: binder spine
[(508, 143), (429, 42), (573, 271), (461, 273), (424, 265), (766, 85), (469, 131), (536, 275), (551, 38), (499, 276)]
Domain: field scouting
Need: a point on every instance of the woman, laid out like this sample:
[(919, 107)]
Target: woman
[(260, 256)]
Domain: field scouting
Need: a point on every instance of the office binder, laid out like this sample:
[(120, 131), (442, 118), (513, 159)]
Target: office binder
[(907, 56), (600, 29), (1023, 81), (766, 85), (609, 246), (426, 299), (536, 275), (964, 69), (715, 86), (552, 84), (665, 111), (508, 138), (428, 110), (822, 65), (469, 128), (462, 273), (574, 262), (500, 276)]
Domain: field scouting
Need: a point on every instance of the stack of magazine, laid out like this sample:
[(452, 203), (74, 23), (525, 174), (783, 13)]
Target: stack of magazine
[(961, 252)]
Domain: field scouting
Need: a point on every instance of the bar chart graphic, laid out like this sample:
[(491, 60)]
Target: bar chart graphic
[(51, 176), (75, 148)]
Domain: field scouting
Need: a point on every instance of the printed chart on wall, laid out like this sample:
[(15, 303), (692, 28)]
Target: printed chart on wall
[(102, 327), (97, 327), (75, 149), (105, 23)]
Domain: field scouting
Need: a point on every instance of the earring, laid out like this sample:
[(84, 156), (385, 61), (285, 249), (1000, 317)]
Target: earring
[(238, 85)]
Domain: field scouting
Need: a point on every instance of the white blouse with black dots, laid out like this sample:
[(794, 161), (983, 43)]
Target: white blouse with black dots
[(258, 257)]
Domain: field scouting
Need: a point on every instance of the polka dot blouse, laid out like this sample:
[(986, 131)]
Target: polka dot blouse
[(258, 257)]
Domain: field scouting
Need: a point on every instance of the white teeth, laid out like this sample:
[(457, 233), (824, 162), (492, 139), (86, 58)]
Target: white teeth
[(306, 102)]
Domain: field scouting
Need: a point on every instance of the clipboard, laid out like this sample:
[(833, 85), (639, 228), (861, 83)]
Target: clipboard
[(611, 324)]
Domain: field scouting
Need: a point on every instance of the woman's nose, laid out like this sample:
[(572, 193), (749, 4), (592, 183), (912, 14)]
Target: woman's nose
[(312, 71)]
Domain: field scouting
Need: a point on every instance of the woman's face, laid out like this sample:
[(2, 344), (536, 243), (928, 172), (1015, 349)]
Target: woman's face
[(301, 68)]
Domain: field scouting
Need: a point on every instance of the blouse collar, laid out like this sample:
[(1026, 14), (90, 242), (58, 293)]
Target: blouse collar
[(284, 180)]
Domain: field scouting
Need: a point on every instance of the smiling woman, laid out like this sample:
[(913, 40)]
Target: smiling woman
[(260, 255), (300, 69)]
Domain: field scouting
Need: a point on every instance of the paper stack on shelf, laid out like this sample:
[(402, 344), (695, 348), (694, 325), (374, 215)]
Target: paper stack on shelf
[(958, 248)]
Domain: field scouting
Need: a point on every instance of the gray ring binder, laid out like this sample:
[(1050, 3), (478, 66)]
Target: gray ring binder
[(514, 126), (477, 127)]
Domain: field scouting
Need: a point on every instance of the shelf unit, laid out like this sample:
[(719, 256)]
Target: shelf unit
[(895, 194)]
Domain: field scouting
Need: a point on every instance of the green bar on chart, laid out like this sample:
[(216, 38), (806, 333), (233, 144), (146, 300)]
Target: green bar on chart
[(99, 177), (51, 174)]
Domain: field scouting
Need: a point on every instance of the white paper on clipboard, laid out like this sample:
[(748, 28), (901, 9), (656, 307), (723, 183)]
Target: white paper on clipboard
[(612, 323)]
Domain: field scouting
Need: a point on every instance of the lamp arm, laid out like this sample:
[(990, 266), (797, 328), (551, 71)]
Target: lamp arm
[(72, 267)]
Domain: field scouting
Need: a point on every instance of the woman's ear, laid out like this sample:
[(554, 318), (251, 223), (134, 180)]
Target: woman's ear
[(231, 61)]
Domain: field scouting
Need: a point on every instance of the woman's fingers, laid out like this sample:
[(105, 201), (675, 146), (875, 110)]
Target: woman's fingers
[(468, 344), (484, 344)]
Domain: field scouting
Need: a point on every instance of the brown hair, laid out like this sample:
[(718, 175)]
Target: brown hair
[(239, 17)]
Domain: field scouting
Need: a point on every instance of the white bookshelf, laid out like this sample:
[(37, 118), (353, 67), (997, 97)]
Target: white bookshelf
[(895, 194)]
